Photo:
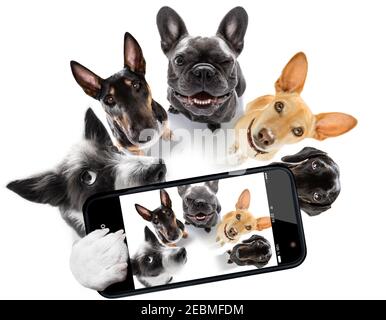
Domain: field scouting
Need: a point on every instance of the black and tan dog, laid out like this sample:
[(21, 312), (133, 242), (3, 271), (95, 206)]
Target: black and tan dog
[(136, 120), (204, 76)]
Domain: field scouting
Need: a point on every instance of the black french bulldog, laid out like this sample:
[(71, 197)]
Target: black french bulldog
[(200, 204), (316, 177), (204, 76), (254, 251)]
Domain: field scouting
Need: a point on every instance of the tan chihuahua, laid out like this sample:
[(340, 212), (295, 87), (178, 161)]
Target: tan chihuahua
[(236, 223), (270, 122)]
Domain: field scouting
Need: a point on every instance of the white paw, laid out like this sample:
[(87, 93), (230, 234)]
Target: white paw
[(100, 259)]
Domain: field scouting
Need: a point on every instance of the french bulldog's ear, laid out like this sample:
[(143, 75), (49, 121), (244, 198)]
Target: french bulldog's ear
[(212, 185), (165, 199), (170, 27), (89, 81), (133, 56), (303, 154), (150, 236), (182, 189), (233, 28), (333, 124), (294, 75), (312, 210), (95, 130), (134, 267), (244, 200), (48, 188), (143, 212)]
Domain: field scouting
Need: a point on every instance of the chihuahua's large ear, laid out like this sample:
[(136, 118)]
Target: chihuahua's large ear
[(332, 124), (133, 56), (170, 27), (244, 200), (95, 130), (212, 185), (233, 28), (294, 75), (182, 189), (305, 153), (165, 199), (88, 80), (48, 188), (143, 212)]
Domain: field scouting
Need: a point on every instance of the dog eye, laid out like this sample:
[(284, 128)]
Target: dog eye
[(248, 227), (136, 85), (155, 221), (298, 131), (279, 106), (315, 165), (88, 177), (238, 216), (109, 100), (149, 259), (179, 60), (317, 196)]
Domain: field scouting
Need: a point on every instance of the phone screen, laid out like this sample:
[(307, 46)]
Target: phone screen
[(218, 227)]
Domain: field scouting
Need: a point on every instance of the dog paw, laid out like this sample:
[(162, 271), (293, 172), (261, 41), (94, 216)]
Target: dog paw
[(173, 110), (230, 261), (185, 234), (167, 135), (100, 259), (233, 148)]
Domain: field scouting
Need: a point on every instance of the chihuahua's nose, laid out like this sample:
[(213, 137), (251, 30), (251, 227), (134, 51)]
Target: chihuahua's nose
[(156, 173), (203, 71), (232, 232), (264, 138)]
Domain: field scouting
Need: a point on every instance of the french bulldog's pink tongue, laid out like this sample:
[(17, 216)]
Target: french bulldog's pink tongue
[(200, 216)]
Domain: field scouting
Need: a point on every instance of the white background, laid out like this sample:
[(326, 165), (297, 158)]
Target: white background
[(205, 257), (42, 114)]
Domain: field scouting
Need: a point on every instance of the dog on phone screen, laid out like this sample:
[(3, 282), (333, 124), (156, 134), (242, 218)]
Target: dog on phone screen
[(200, 204), (154, 264), (169, 229), (317, 179), (204, 76), (135, 119), (271, 122), (93, 165), (255, 251), (239, 222)]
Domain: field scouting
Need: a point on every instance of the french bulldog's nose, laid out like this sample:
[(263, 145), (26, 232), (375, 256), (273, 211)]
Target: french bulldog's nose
[(264, 138), (199, 203), (156, 173), (203, 71)]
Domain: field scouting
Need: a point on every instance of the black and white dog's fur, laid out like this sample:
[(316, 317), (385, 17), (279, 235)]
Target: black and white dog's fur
[(93, 165), (154, 264), (204, 76), (200, 204)]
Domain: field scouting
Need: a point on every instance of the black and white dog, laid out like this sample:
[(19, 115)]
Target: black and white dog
[(154, 264), (204, 76), (93, 165), (200, 204)]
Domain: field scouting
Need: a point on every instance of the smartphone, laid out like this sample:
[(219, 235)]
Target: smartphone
[(203, 229)]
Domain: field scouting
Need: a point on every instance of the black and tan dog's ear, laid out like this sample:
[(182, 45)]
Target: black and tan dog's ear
[(294, 75), (143, 212), (171, 28), (133, 56), (233, 28), (48, 188), (150, 236), (332, 124), (244, 200), (212, 185), (305, 153), (312, 210), (95, 130), (165, 199), (182, 189), (88, 80)]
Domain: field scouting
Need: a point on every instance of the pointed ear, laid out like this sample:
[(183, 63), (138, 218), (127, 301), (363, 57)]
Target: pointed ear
[(89, 81), (332, 124), (143, 212), (293, 75), (233, 28), (95, 130), (48, 187), (263, 223), (244, 200), (165, 199), (212, 185), (182, 189), (305, 153), (133, 56), (150, 236), (134, 267), (170, 27)]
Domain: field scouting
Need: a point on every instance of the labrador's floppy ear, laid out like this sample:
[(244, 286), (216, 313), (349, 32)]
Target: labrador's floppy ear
[(212, 185), (332, 124), (294, 75), (171, 28), (305, 153), (244, 200), (165, 199), (88, 80), (182, 189), (133, 56), (312, 210), (143, 212), (233, 28), (95, 130)]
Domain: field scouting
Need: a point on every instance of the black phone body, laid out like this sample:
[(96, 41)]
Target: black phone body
[(116, 210)]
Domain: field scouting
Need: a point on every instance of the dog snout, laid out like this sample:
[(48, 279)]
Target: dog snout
[(156, 173), (199, 204), (232, 232), (264, 138), (204, 72)]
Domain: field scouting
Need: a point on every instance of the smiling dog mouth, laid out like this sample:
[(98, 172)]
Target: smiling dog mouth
[(202, 99), (201, 217), (250, 140)]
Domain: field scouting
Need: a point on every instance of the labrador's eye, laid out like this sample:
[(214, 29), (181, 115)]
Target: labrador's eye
[(279, 106), (298, 131), (248, 228), (315, 165), (149, 259), (317, 196), (109, 100), (88, 177), (179, 60), (238, 216)]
